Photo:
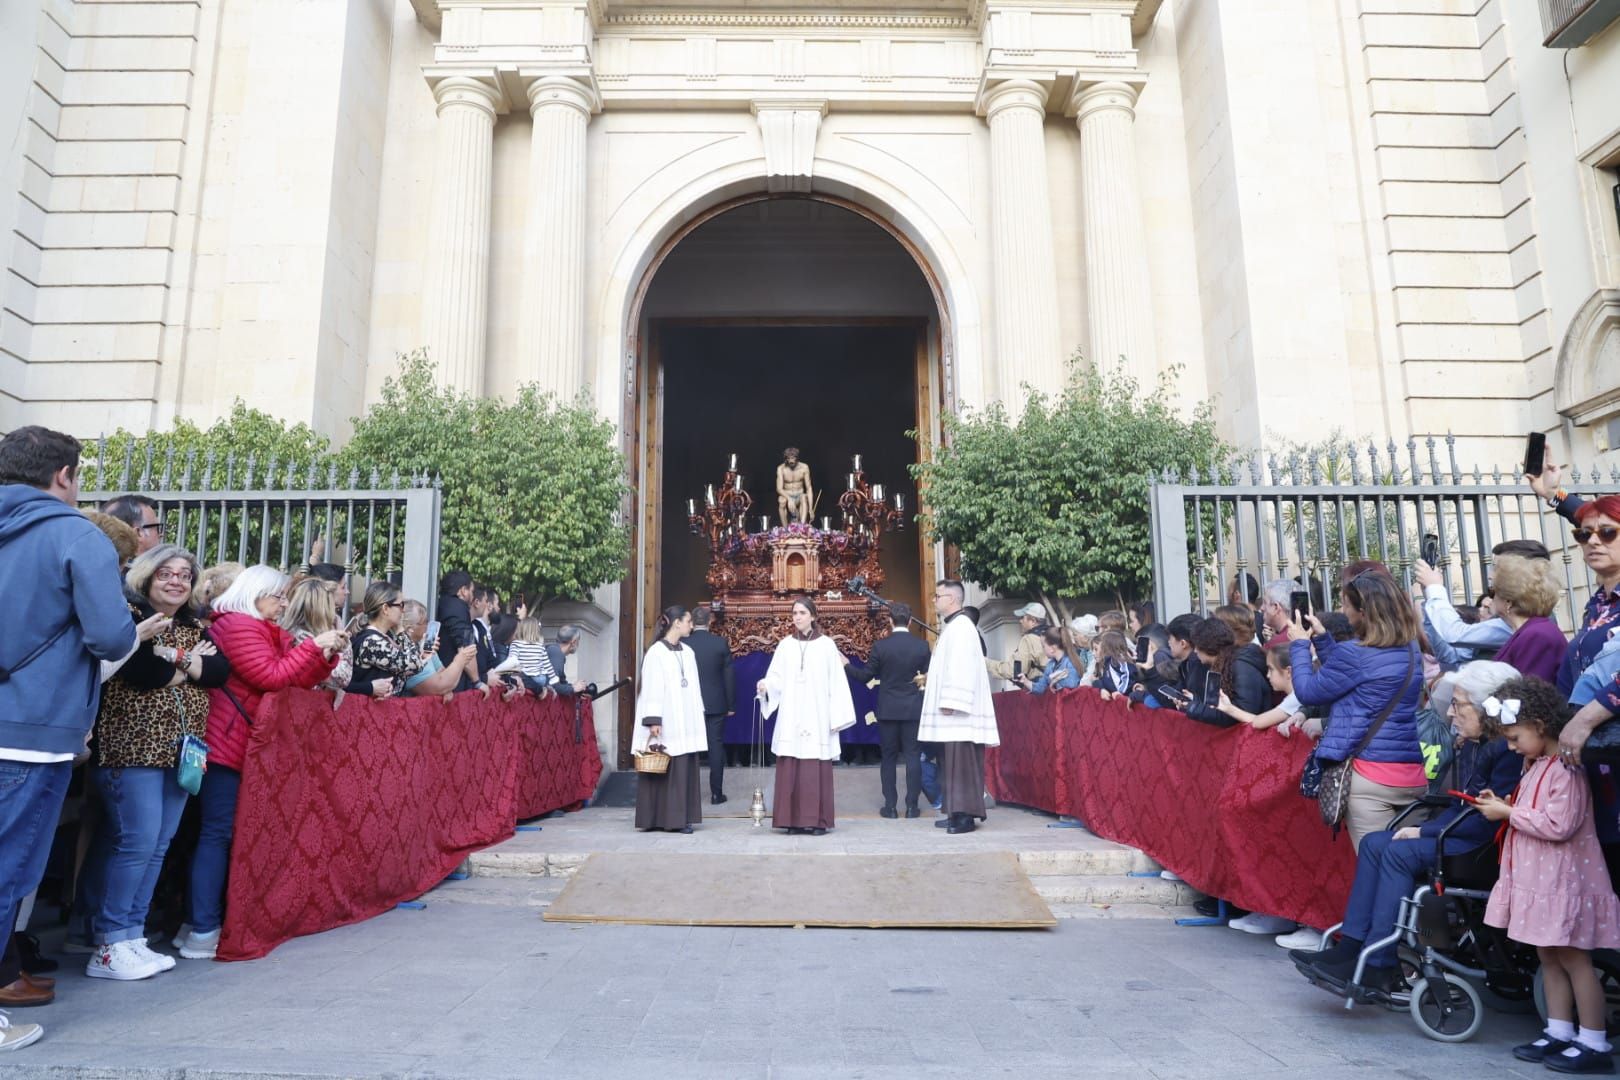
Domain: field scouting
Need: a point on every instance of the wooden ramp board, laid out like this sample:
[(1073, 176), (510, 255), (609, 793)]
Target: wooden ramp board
[(987, 890)]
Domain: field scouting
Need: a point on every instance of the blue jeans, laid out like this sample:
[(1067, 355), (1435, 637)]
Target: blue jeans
[(930, 780), (1387, 871), (30, 802), (206, 893), (142, 807)]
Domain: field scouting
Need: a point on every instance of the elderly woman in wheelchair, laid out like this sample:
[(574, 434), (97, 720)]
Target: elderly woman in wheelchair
[(1390, 864)]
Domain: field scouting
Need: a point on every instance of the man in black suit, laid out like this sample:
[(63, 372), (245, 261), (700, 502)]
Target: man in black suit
[(484, 603), (895, 663), (719, 684), (456, 625)]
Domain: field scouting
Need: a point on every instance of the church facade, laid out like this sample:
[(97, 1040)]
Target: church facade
[(1370, 217)]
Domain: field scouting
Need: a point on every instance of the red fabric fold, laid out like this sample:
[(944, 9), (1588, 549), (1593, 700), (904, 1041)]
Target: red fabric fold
[(345, 813), (1219, 806)]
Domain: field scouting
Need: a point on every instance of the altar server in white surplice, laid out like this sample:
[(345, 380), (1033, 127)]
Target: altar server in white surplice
[(807, 690), (958, 711), (669, 713)]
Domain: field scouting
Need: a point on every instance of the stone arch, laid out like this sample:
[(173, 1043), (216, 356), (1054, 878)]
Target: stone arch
[(1586, 383)]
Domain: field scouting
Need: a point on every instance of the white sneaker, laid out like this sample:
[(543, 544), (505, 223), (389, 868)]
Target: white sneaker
[(17, 1036), (1256, 923), (165, 961), (195, 946), (122, 961), (1303, 938)]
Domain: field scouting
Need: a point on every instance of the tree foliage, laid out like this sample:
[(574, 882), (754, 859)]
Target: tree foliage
[(532, 487), (221, 451), (1055, 505)]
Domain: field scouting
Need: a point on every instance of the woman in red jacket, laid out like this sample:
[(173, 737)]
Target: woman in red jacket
[(264, 658)]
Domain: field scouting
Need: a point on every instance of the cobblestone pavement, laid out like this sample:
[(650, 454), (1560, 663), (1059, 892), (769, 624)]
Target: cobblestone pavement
[(477, 985)]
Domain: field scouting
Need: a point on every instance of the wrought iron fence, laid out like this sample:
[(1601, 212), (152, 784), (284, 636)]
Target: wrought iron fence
[(1306, 517), (287, 514)]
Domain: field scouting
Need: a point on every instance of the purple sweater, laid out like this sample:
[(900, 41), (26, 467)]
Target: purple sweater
[(1536, 648)]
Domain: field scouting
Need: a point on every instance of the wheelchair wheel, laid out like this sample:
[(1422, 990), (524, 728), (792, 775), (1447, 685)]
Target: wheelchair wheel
[(1447, 1008)]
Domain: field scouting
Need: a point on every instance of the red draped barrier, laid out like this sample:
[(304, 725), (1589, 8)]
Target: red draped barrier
[(343, 813), (1219, 806)]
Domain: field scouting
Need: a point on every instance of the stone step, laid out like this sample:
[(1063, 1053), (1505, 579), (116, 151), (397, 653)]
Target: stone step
[(535, 892), (1113, 889), (1085, 862), (1120, 911)]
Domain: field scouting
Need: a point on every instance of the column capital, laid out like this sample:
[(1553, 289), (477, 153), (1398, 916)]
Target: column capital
[(1115, 92), (571, 89), (1022, 90), (478, 88)]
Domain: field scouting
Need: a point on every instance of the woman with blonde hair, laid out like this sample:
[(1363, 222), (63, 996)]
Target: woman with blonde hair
[(312, 610), (383, 656), (1526, 591), (211, 585)]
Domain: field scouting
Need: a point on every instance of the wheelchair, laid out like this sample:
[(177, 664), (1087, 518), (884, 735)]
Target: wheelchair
[(1447, 955)]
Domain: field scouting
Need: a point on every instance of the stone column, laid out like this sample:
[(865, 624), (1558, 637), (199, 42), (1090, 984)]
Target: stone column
[(455, 309), (554, 247), (1119, 307), (1028, 349)]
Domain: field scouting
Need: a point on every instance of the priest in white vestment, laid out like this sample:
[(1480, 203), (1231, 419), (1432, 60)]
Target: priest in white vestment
[(958, 711), (669, 713), (807, 690)]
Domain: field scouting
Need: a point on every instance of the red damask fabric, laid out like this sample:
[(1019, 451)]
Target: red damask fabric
[(345, 813), (1219, 806)]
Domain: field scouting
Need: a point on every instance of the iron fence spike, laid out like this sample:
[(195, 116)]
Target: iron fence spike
[(129, 462), (438, 481), (393, 479), (376, 478), (208, 471), (1192, 472), (168, 465), (247, 472), (354, 476), (191, 462)]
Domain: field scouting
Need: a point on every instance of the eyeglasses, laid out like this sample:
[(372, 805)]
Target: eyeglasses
[(173, 575), (158, 525), (394, 603), (1605, 533)]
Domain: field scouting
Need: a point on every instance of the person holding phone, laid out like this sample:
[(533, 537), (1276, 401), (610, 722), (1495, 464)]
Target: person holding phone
[(1059, 673), (1389, 862), (1370, 686), (383, 656), (433, 678), (1113, 669), (312, 610), (1229, 671)]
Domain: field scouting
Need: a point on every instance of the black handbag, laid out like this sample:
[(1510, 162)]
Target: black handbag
[(1333, 777), (1603, 745)]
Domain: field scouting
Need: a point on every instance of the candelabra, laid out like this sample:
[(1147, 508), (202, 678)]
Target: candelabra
[(867, 514), (724, 513)]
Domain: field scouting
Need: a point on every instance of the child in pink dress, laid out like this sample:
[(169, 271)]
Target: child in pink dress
[(1554, 891)]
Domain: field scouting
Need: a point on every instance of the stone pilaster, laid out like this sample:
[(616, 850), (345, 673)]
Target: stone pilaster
[(1119, 307), (554, 247), (1028, 349), (455, 312)]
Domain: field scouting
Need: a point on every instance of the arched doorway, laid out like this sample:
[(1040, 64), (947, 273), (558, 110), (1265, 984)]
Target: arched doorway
[(764, 322)]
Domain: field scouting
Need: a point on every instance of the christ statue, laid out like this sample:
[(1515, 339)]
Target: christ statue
[(793, 488)]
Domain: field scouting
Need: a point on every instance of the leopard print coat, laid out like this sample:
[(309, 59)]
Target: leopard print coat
[(142, 728)]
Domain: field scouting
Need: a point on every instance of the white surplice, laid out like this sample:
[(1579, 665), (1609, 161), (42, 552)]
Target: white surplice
[(807, 689), (669, 690), (957, 680)]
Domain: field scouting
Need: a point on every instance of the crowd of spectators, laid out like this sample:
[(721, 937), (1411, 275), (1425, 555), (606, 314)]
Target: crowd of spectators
[(172, 662)]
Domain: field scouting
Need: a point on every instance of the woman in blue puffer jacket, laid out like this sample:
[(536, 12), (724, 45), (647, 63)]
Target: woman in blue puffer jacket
[(1356, 680)]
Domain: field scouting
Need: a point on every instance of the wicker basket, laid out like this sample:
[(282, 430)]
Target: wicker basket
[(653, 761)]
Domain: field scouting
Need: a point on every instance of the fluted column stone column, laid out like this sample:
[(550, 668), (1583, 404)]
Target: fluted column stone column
[(455, 313), (1119, 307), (1028, 349), (554, 248)]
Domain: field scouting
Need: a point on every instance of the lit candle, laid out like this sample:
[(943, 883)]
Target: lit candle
[(764, 523), (708, 494), (691, 508), (739, 479), (852, 481), (899, 502), (733, 462), (877, 492), (826, 524), (857, 463)]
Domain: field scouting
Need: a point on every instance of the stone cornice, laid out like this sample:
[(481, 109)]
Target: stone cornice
[(792, 19)]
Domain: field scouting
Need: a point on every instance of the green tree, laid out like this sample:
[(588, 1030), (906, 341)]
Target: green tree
[(222, 452), (1055, 505), (532, 487)]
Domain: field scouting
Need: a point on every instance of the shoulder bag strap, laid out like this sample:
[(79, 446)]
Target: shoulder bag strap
[(249, 720), (1366, 740), (7, 673)]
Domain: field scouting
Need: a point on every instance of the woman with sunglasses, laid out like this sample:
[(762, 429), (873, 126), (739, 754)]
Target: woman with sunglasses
[(1371, 686), (1598, 533), (384, 657)]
